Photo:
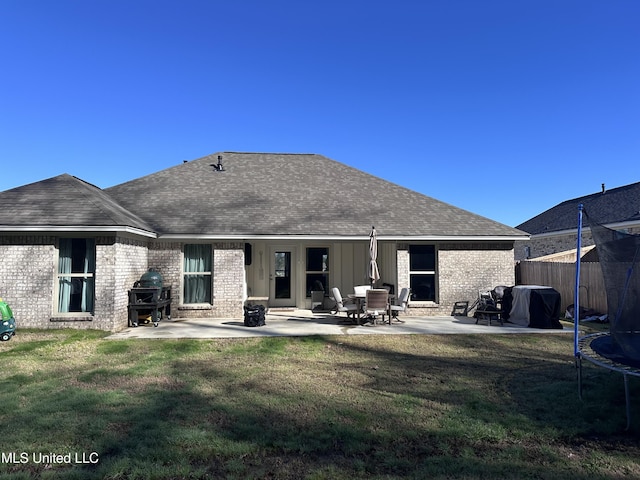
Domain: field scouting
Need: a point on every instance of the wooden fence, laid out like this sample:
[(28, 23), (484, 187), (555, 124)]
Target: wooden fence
[(562, 277)]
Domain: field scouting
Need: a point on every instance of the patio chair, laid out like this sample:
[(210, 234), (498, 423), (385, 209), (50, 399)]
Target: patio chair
[(377, 303), (487, 309), (317, 299), (351, 309), (361, 289), (401, 305)]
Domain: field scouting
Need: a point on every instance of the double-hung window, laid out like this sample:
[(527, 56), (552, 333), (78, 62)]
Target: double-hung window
[(317, 270), (76, 270), (422, 272), (197, 273)]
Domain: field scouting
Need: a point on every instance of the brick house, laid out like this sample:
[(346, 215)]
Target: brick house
[(230, 226), (556, 229)]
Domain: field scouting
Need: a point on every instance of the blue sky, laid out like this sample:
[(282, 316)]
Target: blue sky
[(501, 107)]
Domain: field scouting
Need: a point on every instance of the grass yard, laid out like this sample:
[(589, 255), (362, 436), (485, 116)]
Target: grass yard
[(76, 405)]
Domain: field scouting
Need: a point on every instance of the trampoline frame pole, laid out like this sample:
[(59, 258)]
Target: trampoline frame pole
[(627, 401), (576, 305), (576, 294)]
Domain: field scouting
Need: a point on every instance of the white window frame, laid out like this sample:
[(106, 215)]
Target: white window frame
[(205, 273), (433, 272), (317, 272), (81, 275)]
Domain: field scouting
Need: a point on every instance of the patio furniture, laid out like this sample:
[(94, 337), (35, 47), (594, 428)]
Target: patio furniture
[(377, 303), (460, 308), (359, 300), (401, 306), (359, 295), (351, 309), (361, 290), (317, 299), (486, 309)]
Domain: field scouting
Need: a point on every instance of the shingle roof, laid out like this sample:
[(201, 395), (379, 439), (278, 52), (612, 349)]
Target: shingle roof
[(617, 205), (290, 194), (63, 201)]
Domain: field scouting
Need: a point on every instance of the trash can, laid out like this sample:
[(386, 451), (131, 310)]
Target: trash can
[(254, 316)]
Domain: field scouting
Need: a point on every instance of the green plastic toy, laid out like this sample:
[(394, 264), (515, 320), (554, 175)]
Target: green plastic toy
[(8, 323)]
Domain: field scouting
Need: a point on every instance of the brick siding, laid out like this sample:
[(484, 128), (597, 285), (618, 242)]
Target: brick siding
[(129, 265), (463, 270), (29, 263), (542, 245), (227, 282), (27, 276)]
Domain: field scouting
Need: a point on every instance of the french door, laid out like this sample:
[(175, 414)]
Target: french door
[(282, 277)]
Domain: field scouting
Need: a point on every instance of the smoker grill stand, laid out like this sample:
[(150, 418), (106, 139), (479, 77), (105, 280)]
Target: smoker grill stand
[(155, 300)]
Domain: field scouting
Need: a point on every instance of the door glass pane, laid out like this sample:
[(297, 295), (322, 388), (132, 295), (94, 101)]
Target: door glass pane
[(282, 274)]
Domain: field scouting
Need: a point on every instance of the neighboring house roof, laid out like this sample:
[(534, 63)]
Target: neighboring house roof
[(618, 205), (65, 203), (587, 254), (279, 195)]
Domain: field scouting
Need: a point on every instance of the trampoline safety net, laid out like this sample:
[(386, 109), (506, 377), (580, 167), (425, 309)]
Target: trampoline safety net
[(619, 254)]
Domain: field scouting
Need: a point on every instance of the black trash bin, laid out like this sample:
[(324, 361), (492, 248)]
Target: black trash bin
[(254, 316)]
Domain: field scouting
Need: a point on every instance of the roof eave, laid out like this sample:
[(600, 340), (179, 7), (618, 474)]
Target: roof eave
[(397, 238), (76, 229), (586, 228)]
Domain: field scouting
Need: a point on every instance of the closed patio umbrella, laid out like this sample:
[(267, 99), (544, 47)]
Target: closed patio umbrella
[(374, 274)]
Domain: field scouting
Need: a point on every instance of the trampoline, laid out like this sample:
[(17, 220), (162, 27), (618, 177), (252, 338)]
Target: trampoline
[(619, 349)]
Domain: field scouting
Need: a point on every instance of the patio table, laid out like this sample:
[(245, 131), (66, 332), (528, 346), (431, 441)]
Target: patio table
[(359, 299)]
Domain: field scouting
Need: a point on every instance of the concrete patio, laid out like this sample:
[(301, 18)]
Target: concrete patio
[(298, 323)]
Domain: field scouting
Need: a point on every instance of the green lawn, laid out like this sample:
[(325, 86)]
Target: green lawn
[(76, 405)]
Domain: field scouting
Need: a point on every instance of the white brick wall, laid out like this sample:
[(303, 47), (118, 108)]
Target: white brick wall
[(130, 264), (227, 281), (27, 272), (28, 277), (166, 258), (462, 271), (540, 246)]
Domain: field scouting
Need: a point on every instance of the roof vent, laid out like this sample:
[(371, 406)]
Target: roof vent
[(218, 167), (603, 188)]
